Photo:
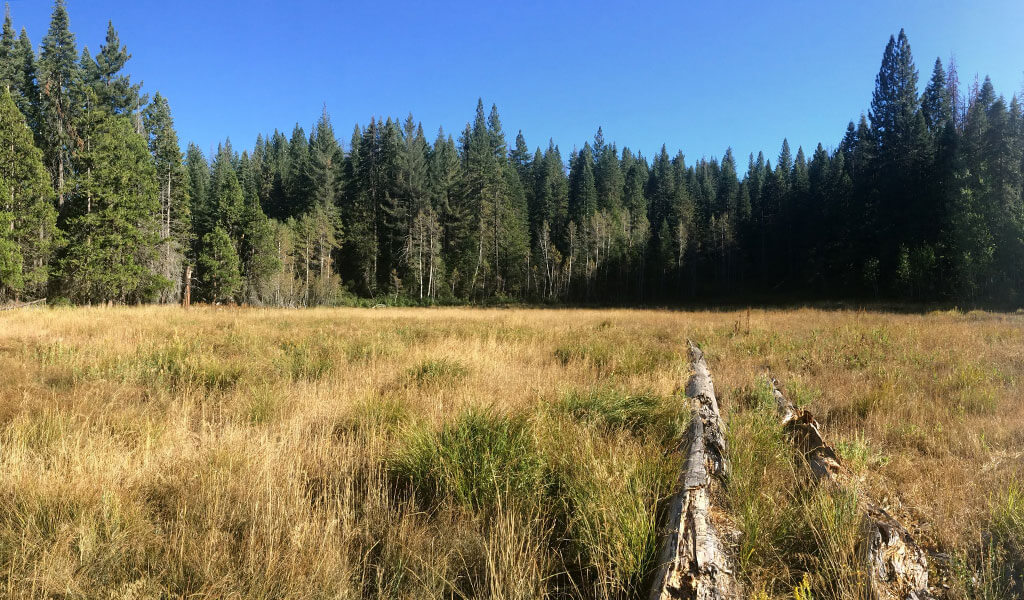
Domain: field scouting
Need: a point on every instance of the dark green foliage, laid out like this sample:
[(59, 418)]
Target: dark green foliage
[(921, 201), (438, 371), (112, 227), (28, 232), (114, 89), (172, 181), (59, 81), (219, 270)]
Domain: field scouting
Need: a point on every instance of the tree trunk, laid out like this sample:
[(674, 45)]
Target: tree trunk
[(186, 298), (896, 565), (693, 563)]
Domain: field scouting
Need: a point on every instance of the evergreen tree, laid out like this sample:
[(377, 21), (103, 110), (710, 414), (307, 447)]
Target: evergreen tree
[(113, 236), (445, 172), (198, 177), (9, 64), (323, 221), (298, 182), (520, 157), (225, 202), (58, 78), (582, 209), (936, 103), (28, 221), (18, 70), (114, 90), (175, 214), (255, 242), (899, 128), (219, 267)]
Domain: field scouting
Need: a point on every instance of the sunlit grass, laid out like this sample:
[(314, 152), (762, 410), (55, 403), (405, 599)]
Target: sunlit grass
[(454, 453)]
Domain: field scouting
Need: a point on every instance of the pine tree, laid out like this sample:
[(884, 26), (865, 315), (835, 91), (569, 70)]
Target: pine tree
[(219, 267), (112, 228), (483, 153), (445, 171), (899, 127), (363, 202), (323, 221), (255, 242), (198, 176), (175, 214), (18, 70), (393, 210), (608, 177), (520, 157), (28, 231), (936, 103), (423, 232), (225, 202), (9, 65), (58, 78), (114, 90), (298, 184), (583, 208)]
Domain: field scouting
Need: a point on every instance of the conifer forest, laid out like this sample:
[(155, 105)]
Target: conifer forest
[(918, 200)]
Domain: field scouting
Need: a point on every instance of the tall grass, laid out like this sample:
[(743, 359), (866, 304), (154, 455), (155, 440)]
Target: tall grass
[(455, 453)]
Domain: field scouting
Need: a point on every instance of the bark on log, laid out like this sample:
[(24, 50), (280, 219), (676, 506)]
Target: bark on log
[(693, 563), (896, 565)]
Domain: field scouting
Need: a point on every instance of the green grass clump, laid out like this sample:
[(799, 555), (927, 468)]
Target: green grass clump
[(609, 492), (306, 360), (437, 371), (182, 365), (263, 406), (1008, 518), (473, 460), (640, 414), (594, 491), (621, 360), (763, 470)]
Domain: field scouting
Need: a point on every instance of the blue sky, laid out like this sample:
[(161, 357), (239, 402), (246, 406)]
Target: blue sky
[(697, 76)]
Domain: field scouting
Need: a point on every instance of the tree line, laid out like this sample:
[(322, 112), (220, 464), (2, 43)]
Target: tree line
[(919, 201)]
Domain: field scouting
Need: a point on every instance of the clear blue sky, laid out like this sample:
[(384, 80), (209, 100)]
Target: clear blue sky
[(697, 76)]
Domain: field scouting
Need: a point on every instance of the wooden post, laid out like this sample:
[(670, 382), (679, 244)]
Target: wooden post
[(186, 298)]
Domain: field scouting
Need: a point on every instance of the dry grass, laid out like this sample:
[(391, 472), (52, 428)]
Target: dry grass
[(454, 453)]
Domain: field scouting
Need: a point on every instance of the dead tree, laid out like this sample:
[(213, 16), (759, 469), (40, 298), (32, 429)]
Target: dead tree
[(896, 565), (693, 563)]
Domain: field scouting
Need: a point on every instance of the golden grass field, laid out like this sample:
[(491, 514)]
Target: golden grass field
[(468, 453)]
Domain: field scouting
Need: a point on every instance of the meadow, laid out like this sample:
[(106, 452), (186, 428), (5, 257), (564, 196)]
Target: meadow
[(155, 452)]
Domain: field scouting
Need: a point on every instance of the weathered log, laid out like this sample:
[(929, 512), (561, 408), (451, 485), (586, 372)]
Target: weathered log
[(896, 565), (25, 304), (693, 563), (805, 434)]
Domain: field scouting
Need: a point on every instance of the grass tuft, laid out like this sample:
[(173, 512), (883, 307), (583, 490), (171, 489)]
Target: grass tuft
[(475, 460), (640, 414), (438, 372)]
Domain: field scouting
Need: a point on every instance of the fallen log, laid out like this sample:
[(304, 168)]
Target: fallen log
[(32, 303), (896, 565), (693, 563)]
